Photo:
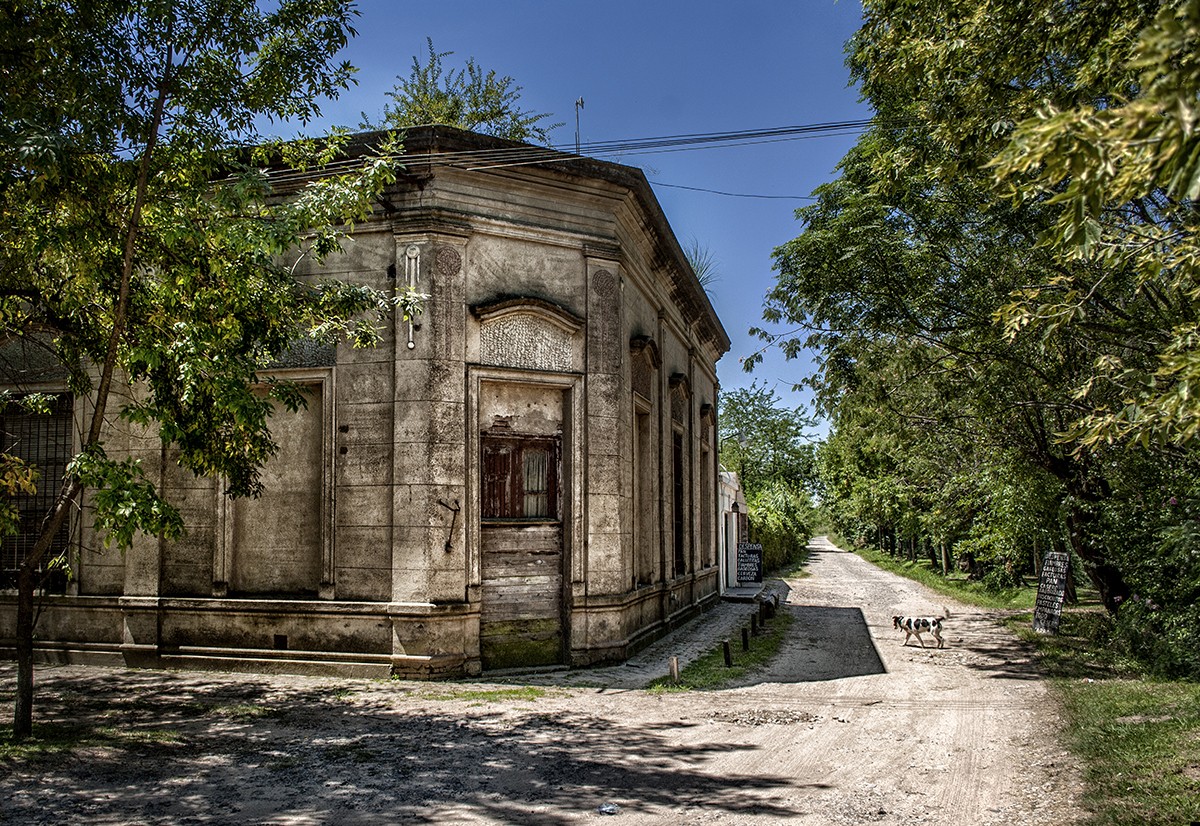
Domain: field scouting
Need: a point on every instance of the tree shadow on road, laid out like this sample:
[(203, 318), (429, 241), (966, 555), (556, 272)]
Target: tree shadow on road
[(161, 747), (994, 650)]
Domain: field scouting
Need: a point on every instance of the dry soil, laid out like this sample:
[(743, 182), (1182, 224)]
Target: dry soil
[(848, 726)]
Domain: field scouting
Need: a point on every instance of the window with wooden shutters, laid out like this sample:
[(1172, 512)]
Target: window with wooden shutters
[(520, 478)]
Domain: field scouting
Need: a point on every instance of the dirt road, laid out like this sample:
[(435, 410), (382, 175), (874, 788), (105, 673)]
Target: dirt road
[(847, 727)]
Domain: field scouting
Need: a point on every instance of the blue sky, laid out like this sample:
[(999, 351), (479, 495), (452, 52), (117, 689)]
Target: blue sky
[(654, 68)]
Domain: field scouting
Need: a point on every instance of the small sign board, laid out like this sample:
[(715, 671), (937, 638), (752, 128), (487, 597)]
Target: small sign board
[(1052, 587), (749, 562)]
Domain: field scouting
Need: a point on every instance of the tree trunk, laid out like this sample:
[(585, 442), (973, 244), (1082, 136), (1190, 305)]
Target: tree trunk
[(27, 578), (23, 708), (1086, 490), (1103, 574)]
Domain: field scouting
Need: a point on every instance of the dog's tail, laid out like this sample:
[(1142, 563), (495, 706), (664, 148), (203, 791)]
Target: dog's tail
[(946, 612)]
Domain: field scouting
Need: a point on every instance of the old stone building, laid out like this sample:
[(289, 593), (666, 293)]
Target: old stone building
[(526, 475)]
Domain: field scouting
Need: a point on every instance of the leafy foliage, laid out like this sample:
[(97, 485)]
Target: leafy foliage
[(150, 238), (766, 445), (1127, 174), (781, 520), (468, 98), (1000, 287), (703, 262)]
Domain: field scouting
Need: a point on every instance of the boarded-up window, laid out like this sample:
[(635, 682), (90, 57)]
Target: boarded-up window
[(678, 503), (43, 440), (276, 540), (645, 503), (520, 478)]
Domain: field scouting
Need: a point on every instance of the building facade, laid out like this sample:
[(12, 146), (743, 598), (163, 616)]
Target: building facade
[(524, 475)]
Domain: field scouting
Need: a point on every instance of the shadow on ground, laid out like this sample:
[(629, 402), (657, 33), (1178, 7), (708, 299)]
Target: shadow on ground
[(824, 643), (995, 650), (168, 748)]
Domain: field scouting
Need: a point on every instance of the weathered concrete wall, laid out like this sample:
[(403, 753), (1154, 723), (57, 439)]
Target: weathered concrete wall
[(367, 550)]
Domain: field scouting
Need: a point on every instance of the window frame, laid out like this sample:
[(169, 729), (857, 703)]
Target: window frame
[(500, 501), (58, 427)]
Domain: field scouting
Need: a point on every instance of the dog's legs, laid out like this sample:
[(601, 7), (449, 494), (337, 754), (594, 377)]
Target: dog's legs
[(938, 635), (919, 639)]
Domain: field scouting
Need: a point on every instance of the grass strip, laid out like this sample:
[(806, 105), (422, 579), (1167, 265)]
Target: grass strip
[(709, 672), (53, 741), (1140, 742), (954, 585), (1138, 738)]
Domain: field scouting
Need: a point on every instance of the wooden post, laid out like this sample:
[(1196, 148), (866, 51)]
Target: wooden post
[(728, 653), (674, 666), (745, 638), (754, 624)]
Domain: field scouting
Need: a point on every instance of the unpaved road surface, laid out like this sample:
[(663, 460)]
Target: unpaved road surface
[(847, 727)]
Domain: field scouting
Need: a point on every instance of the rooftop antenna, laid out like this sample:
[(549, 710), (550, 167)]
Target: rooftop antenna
[(578, 106)]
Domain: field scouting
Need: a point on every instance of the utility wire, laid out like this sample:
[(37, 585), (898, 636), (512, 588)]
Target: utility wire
[(677, 143), (485, 159), (737, 194)]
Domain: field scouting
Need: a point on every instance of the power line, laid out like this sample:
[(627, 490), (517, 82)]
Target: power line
[(737, 194), (677, 143), (526, 155)]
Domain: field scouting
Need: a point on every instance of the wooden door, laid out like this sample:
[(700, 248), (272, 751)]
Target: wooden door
[(521, 624)]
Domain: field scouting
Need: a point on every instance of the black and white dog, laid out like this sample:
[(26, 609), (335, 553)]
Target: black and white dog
[(916, 626)]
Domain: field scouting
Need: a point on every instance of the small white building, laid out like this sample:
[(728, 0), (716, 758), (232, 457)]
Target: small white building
[(731, 504)]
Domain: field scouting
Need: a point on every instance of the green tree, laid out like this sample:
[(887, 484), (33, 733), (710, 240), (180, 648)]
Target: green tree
[(766, 444), (764, 441), (1126, 170), (1090, 109), (467, 98), (897, 280), (1009, 259), (145, 248)]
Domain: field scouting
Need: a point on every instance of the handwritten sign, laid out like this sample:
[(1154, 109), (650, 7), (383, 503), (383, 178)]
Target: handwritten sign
[(749, 562), (1052, 587)]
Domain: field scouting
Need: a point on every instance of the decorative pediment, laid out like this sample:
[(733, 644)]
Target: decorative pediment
[(528, 333), (644, 362), (681, 394), (708, 422)]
